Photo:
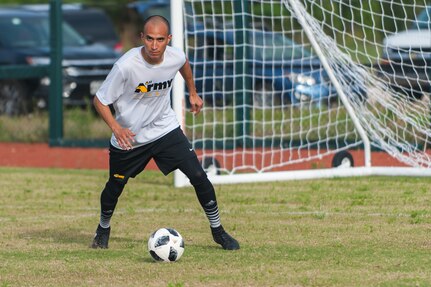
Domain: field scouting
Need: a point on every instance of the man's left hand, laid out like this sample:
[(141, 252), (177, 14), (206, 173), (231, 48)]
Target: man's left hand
[(196, 103)]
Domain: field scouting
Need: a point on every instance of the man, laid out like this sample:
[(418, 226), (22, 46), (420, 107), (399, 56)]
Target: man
[(146, 127)]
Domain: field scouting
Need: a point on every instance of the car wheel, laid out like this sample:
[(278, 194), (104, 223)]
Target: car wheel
[(342, 159), (211, 165), (13, 98)]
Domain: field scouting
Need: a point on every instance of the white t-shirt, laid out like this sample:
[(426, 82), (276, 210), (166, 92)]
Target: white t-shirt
[(140, 94)]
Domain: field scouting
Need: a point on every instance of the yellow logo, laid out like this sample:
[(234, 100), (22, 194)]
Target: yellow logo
[(141, 88), (119, 176)]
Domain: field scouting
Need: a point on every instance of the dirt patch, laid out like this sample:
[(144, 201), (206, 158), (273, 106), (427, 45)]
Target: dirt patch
[(41, 155)]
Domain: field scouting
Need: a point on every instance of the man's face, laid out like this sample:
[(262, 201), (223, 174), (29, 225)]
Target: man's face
[(155, 38)]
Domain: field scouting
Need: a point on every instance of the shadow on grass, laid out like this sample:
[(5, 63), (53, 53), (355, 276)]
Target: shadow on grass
[(119, 247), (71, 236)]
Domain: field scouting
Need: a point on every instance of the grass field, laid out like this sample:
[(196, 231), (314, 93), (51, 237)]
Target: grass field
[(335, 232)]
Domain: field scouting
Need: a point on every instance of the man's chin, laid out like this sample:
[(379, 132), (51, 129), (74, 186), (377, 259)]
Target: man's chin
[(154, 57)]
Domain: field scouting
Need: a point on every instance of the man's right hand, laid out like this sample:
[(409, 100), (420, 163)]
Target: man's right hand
[(125, 137)]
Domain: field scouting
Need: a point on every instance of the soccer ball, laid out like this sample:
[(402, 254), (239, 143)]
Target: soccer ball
[(166, 244)]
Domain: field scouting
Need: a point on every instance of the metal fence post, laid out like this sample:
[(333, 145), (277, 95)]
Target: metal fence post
[(55, 74), (242, 100)]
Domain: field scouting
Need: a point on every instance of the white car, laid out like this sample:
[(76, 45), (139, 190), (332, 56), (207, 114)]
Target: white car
[(415, 40), (406, 60)]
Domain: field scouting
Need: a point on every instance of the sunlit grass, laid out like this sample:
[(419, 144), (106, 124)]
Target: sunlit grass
[(370, 231)]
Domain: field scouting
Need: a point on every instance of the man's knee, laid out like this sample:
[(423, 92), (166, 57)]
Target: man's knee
[(194, 171), (198, 177), (113, 189)]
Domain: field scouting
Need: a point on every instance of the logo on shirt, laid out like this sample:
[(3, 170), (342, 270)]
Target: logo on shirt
[(152, 87), (141, 88)]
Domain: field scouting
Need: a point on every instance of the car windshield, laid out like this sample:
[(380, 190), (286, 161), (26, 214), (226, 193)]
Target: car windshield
[(30, 32), (264, 46), (93, 24), (274, 46)]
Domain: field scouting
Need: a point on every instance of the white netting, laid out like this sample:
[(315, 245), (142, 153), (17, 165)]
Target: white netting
[(395, 76), (270, 103)]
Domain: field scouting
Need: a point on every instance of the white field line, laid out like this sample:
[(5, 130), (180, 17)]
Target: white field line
[(164, 210)]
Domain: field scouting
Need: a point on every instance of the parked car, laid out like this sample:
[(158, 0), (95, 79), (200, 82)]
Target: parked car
[(286, 72), (92, 23), (24, 40), (280, 74), (406, 60)]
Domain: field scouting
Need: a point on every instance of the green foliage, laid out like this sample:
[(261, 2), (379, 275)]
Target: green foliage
[(78, 124), (84, 124), (31, 128)]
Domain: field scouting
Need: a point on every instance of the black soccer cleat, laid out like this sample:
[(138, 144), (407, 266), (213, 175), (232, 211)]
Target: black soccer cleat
[(101, 238), (224, 239)]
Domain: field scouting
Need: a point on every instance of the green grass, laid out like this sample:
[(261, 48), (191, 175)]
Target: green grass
[(78, 124), (371, 231)]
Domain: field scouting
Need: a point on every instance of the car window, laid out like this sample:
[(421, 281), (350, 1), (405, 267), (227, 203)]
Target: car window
[(71, 37), (23, 32), (209, 46), (28, 32), (265, 46), (93, 25), (274, 46)]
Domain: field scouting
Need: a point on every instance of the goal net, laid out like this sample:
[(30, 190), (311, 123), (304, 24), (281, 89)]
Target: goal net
[(307, 88)]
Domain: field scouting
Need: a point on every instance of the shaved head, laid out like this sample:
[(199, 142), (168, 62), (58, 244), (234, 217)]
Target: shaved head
[(155, 37), (156, 20)]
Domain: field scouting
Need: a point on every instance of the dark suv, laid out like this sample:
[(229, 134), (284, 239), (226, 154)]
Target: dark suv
[(25, 41)]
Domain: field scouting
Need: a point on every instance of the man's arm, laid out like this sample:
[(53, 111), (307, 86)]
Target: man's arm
[(195, 101), (124, 136)]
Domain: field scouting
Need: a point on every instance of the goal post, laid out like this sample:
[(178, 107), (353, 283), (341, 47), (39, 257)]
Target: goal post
[(299, 89), (178, 88), (296, 8)]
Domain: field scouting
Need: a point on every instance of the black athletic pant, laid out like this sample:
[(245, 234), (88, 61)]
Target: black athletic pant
[(170, 152), (191, 168)]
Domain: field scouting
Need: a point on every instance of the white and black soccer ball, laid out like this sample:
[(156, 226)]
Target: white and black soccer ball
[(166, 244)]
